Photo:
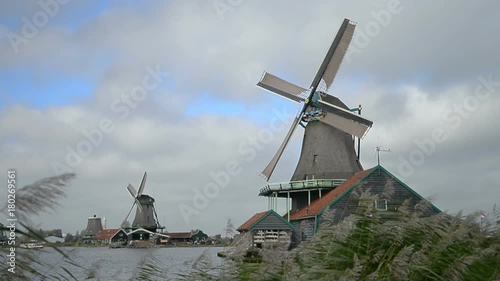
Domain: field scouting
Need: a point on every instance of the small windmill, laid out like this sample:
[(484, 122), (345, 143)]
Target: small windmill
[(322, 107), (145, 215), (94, 225)]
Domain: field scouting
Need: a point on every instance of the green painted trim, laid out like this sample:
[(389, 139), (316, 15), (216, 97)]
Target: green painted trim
[(303, 218), (378, 168), (316, 224), (266, 215), (409, 188)]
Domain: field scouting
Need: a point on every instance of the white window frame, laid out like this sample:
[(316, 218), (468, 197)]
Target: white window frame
[(309, 177), (377, 204)]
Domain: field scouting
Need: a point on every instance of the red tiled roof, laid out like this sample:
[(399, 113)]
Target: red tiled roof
[(251, 221), (321, 203), (179, 234), (106, 234)]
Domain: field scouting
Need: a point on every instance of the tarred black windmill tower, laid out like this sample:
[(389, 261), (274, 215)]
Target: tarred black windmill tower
[(328, 154)]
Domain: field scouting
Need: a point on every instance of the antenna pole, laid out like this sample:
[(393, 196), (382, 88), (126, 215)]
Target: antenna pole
[(378, 159), (359, 140), (378, 155), (378, 148)]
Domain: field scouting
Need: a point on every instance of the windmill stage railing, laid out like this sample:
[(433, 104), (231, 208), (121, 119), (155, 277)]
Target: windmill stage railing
[(299, 185)]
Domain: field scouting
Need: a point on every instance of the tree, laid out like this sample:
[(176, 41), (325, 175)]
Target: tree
[(69, 238), (229, 229), (57, 233)]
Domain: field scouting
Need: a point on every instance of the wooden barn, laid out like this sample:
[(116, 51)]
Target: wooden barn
[(266, 227), (342, 201), (196, 236), (108, 236)]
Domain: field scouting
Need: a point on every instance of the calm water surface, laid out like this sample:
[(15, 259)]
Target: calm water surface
[(121, 264)]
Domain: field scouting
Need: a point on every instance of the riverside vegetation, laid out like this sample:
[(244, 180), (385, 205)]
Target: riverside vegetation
[(365, 246)]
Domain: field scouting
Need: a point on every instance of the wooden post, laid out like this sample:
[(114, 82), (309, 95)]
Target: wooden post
[(288, 205)]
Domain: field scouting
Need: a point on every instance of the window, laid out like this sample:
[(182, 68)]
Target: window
[(309, 177), (381, 205), (315, 158)]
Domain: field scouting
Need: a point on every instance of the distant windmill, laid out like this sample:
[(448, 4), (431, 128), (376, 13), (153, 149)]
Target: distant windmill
[(145, 215), (328, 146), (94, 225)]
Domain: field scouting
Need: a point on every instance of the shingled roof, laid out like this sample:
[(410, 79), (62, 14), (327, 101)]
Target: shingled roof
[(106, 234), (266, 220), (321, 203), (251, 221), (186, 235)]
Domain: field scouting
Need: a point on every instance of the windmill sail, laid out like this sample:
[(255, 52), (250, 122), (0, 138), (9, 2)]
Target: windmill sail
[(132, 190), (345, 120), (331, 64), (270, 167), (143, 183), (281, 87)]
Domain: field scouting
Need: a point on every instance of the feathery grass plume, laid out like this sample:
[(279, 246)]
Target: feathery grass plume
[(150, 268), (399, 265), (273, 263), (232, 266), (240, 247), (412, 247), (409, 246), (202, 267), (245, 259), (92, 271), (388, 191), (39, 197), (491, 221)]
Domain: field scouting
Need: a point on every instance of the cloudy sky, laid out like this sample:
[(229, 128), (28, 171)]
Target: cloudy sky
[(110, 89)]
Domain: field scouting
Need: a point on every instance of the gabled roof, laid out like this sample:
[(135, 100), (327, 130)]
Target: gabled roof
[(406, 186), (321, 203), (106, 234), (318, 206), (253, 221)]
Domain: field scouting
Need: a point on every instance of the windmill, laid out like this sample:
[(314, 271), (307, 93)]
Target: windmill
[(94, 225), (328, 156), (330, 126), (145, 215)]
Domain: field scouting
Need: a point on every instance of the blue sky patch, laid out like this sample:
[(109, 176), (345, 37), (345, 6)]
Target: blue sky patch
[(22, 87), (211, 105)]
